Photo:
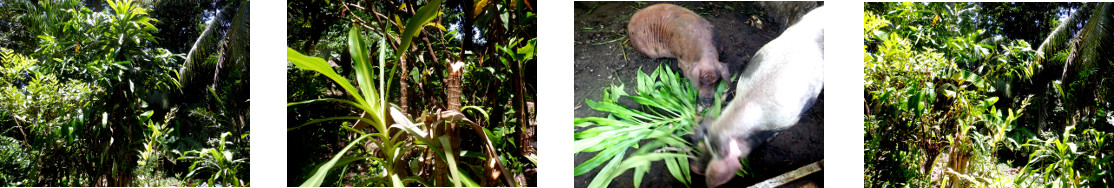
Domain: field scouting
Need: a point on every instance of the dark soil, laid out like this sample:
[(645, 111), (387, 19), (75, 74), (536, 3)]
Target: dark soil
[(601, 61)]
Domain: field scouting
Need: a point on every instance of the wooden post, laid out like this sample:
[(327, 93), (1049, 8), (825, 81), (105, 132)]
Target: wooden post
[(791, 175)]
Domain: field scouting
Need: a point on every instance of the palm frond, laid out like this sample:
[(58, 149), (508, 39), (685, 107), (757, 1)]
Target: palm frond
[(236, 43), (1061, 36), (228, 41), (1093, 39)]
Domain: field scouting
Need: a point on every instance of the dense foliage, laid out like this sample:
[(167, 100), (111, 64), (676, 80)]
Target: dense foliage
[(411, 93), (91, 96), (956, 95)]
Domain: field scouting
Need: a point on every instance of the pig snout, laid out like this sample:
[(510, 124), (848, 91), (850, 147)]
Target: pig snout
[(706, 100), (708, 75), (719, 172), (724, 165), (720, 159)]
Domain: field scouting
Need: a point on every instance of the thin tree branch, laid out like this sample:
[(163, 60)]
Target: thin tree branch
[(394, 42)]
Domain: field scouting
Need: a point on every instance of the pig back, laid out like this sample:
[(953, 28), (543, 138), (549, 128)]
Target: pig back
[(671, 31), (781, 81)]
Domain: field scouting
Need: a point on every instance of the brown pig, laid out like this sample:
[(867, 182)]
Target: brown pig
[(671, 31), (781, 82)]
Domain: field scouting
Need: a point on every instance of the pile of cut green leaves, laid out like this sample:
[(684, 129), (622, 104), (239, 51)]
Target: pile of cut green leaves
[(655, 130)]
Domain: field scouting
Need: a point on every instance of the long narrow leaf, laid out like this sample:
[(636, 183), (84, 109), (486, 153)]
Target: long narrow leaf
[(668, 111), (319, 65), (414, 24), (452, 161), (319, 174)]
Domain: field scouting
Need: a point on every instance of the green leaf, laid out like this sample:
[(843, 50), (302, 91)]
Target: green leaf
[(639, 171), (453, 169), (643, 160), (668, 111), (527, 51), (319, 174), (321, 66), (601, 179), (414, 24)]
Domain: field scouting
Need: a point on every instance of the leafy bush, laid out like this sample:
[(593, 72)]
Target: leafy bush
[(948, 100), (220, 162), (157, 137), (93, 96), (16, 163)]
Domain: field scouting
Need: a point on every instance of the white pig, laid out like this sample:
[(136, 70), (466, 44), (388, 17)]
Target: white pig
[(781, 82)]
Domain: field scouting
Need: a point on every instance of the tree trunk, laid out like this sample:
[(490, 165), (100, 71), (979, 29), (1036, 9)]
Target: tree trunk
[(520, 108), (469, 19), (403, 85)]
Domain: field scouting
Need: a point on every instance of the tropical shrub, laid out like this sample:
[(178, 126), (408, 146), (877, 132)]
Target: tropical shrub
[(95, 97), (949, 97), (441, 111), (17, 162), (221, 162)]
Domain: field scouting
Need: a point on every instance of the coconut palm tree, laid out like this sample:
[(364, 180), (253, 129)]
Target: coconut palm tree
[(221, 53), (1082, 45)]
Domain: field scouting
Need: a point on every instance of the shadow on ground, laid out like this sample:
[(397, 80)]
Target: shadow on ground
[(604, 57)]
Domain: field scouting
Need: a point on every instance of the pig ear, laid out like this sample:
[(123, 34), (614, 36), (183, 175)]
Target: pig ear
[(696, 168), (698, 165), (724, 74)]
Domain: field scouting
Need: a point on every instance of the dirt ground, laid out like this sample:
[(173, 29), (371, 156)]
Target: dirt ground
[(604, 57)]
